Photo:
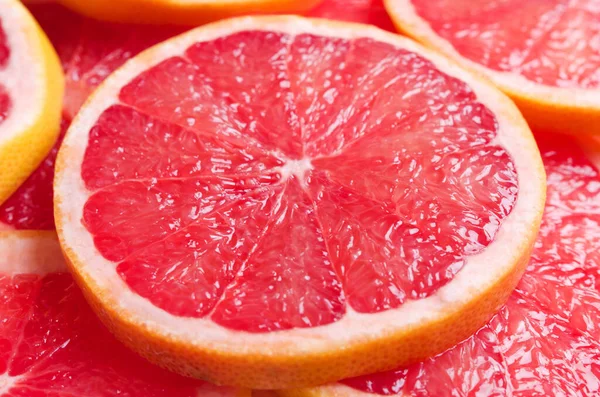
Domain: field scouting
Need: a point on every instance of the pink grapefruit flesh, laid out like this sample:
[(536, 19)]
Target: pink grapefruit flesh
[(544, 341), (270, 181), (552, 42)]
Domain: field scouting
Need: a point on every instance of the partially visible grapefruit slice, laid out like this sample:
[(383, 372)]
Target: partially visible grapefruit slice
[(31, 88), (183, 12), (545, 340), (277, 201), (545, 54), (51, 342), (89, 50)]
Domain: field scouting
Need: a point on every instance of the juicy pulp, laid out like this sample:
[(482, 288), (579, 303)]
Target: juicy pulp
[(52, 344)]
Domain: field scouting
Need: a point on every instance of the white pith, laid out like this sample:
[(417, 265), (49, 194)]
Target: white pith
[(297, 168), (509, 81), (479, 273), (6, 382), (24, 75), (30, 252)]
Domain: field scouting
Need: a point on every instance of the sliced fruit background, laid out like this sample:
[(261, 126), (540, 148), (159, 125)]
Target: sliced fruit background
[(31, 88), (545, 54), (572, 183), (51, 342)]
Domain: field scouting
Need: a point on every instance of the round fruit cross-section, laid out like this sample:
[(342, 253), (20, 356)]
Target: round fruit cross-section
[(54, 345), (278, 201), (31, 88), (185, 12), (545, 54), (545, 339)]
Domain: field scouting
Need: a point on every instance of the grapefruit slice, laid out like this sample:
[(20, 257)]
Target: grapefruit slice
[(54, 345), (89, 51), (183, 12), (277, 201), (544, 53), (31, 85), (544, 341), (363, 11)]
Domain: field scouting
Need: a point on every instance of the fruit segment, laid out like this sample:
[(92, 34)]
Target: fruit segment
[(545, 339), (241, 171)]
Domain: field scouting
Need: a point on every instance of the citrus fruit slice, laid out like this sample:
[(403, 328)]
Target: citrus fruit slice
[(31, 87), (545, 340), (53, 344), (279, 201), (363, 11), (89, 51), (544, 54), (182, 12)]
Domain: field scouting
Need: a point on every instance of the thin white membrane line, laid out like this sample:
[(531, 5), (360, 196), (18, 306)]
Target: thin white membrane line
[(338, 275), (21, 337), (243, 265), (191, 178), (540, 40), (225, 206), (255, 143)]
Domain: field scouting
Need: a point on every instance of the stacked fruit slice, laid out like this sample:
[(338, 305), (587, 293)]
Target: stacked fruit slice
[(316, 199)]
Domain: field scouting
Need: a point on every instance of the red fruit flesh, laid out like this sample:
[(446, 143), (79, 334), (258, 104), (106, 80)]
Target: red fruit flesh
[(268, 181), (544, 341), (53, 345), (363, 11), (552, 42)]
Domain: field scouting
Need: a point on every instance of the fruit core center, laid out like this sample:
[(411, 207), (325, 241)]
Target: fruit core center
[(6, 382), (296, 168)]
